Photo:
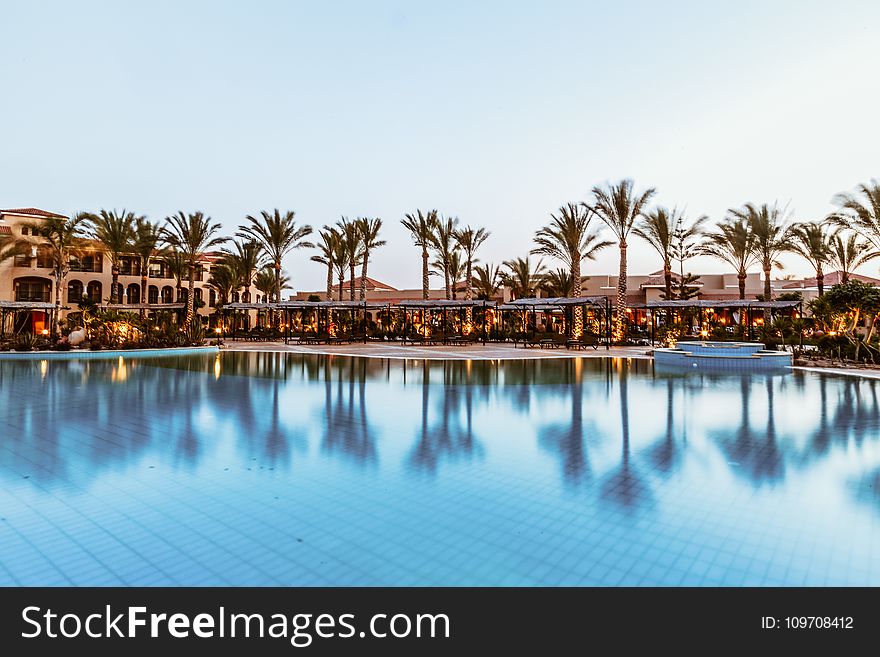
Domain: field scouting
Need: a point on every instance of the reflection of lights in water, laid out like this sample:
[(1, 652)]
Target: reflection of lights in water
[(44, 367), (120, 372), (217, 367)]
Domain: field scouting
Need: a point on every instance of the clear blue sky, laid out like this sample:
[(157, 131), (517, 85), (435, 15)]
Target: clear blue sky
[(496, 112)]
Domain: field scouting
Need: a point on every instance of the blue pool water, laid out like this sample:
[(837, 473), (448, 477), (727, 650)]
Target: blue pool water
[(284, 469)]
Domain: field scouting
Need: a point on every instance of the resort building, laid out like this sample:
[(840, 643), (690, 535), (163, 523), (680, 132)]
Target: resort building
[(28, 277)]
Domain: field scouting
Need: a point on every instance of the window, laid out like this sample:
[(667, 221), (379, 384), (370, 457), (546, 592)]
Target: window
[(212, 298), (44, 258), (152, 294), (25, 230), (200, 273), (74, 291), (182, 295), (197, 294), (93, 291), (129, 266), (167, 294), (22, 260), (158, 270), (90, 262), (246, 296), (32, 289), (134, 293), (235, 298)]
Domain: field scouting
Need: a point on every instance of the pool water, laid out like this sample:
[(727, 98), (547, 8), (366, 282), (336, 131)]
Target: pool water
[(288, 469)]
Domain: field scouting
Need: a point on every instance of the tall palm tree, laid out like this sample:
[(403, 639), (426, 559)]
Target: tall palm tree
[(488, 281), (522, 279), (421, 227), (147, 239), (341, 252), (192, 235), (352, 239), (847, 255), (456, 271), (223, 281), (657, 228), (369, 230), (811, 241), (115, 231), (279, 235), (618, 206), (860, 211), (244, 261), (444, 245), (767, 224), (469, 240), (732, 242), (558, 283), (62, 238), (568, 238), (327, 245)]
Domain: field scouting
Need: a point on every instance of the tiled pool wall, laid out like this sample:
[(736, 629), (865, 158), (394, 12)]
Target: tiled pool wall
[(76, 354)]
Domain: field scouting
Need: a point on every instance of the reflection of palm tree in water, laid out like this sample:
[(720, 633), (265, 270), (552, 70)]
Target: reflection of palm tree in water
[(626, 487), (568, 439), (346, 429), (664, 455), (448, 439)]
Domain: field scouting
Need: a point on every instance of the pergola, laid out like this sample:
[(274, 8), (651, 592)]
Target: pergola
[(536, 305), (12, 309), (746, 306), (447, 307), (324, 317)]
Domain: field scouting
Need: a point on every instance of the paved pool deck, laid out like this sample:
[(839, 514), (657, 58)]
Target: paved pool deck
[(490, 351)]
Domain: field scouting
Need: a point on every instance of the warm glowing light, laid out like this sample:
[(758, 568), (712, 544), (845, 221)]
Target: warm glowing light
[(44, 367), (45, 331), (217, 367), (704, 333), (218, 330)]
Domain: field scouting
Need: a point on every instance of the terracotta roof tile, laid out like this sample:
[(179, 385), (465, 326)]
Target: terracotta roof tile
[(33, 212)]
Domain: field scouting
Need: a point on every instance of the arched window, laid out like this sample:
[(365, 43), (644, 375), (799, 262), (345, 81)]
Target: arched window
[(167, 294), (74, 291), (152, 294), (246, 296), (212, 298), (93, 291), (182, 295), (235, 297), (197, 294), (134, 293), (32, 288)]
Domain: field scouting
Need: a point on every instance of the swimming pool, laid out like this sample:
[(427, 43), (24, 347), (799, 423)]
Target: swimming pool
[(288, 469)]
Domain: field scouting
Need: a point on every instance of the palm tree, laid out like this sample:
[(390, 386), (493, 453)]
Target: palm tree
[(771, 238), (147, 237), (488, 281), (568, 238), (444, 246), (176, 265), (192, 235), (558, 283), (267, 283), (848, 255), (811, 241), (278, 234), (733, 243), (115, 231), (62, 237), (244, 262), (421, 227), (369, 230), (340, 260), (657, 228), (860, 211), (11, 247), (352, 240), (223, 281), (618, 206), (327, 245), (456, 271), (469, 240), (521, 278)]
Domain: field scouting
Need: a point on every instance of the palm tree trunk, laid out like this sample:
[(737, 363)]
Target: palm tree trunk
[(820, 280), (351, 280), (329, 281), (620, 311), (341, 282), (59, 281), (577, 311), (424, 273), (189, 293), (469, 294), (446, 278), (741, 279), (145, 274), (667, 278), (768, 293), (364, 275), (114, 283)]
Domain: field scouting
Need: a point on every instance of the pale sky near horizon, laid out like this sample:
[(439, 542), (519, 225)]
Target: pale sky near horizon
[(495, 112)]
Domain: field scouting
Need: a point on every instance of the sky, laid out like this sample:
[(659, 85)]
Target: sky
[(494, 112)]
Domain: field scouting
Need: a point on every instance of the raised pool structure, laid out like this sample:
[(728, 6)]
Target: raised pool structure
[(723, 356), (262, 468)]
